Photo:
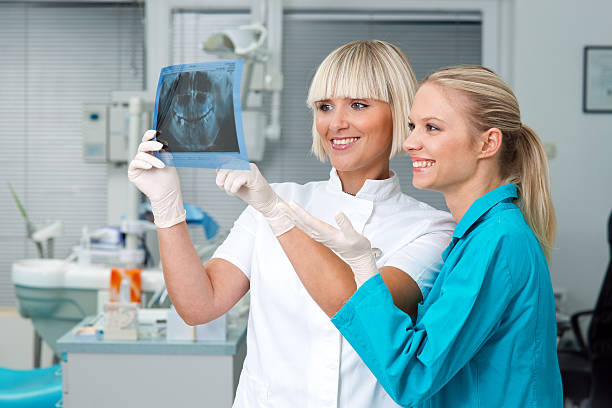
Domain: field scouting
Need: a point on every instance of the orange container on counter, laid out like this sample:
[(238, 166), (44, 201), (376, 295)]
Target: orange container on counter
[(133, 277)]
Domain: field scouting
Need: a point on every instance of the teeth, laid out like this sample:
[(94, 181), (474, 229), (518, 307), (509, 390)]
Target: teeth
[(344, 141), (423, 163)]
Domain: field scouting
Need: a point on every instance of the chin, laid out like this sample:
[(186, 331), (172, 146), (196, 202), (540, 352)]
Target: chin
[(422, 184), (342, 165)]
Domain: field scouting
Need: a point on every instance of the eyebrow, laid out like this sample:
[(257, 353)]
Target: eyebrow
[(427, 118), (347, 97)]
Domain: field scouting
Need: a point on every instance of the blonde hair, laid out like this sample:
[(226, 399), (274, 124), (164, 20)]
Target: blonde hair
[(522, 160), (365, 69)]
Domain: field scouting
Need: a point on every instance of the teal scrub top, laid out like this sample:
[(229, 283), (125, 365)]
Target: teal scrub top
[(485, 336)]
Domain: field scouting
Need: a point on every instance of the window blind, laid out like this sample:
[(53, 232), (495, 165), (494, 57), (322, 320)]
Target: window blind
[(55, 58)]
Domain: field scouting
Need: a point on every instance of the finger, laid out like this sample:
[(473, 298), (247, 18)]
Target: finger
[(221, 176), (138, 165), (350, 235), (150, 146), (149, 158), (149, 134), (377, 252), (237, 182), (253, 174), (345, 224), (227, 181)]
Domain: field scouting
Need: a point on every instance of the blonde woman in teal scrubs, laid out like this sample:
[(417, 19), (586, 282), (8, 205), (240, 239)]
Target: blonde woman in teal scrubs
[(485, 336)]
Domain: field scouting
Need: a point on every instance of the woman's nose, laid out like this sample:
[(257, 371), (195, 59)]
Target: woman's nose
[(412, 142), (339, 120)]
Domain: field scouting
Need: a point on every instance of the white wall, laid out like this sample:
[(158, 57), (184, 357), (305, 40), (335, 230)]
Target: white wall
[(548, 40)]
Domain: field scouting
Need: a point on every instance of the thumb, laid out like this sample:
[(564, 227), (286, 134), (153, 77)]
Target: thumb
[(345, 224), (254, 175)]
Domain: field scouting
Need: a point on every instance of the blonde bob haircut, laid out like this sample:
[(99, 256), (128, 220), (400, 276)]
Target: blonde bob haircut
[(365, 69)]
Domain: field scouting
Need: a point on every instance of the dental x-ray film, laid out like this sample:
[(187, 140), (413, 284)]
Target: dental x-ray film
[(198, 116)]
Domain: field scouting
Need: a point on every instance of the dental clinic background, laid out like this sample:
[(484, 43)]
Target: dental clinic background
[(57, 57)]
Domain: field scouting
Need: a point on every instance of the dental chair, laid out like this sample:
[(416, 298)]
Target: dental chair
[(586, 371), (37, 388)]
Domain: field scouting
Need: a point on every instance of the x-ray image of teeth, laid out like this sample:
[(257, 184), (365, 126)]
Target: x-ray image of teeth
[(198, 115)]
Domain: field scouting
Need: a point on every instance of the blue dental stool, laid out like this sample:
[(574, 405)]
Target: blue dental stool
[(37, 388)]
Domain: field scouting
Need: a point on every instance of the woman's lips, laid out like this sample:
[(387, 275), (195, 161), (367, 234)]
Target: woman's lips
[(343, 143), (421, 164)]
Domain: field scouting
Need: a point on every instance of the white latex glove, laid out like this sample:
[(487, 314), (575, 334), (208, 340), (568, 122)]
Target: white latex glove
[(158, 182), (252, 187), (351, 246)]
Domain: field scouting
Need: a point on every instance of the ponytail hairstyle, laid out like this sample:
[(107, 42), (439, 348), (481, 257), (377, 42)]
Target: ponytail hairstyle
[(522, 161)]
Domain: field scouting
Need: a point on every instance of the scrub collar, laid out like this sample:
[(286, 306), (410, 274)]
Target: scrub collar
[(372, 190), (507, 192)]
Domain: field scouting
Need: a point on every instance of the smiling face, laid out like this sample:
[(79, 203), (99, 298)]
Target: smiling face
[(356, 135), (443, 147)]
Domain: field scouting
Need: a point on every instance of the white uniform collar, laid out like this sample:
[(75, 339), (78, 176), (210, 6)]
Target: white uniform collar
[(372, 190)]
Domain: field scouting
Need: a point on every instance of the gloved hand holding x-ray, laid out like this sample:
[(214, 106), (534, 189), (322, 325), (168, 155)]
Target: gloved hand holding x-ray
[(197, 124), (158, 182), (351, 246), (198, 116)]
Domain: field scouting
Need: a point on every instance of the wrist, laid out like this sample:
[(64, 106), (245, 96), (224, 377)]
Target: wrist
[(168, 211), (278, 218), (363, 270)]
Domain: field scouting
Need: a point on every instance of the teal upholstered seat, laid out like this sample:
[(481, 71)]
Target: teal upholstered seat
[(37, 388)]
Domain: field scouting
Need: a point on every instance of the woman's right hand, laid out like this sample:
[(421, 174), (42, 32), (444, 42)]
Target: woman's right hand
[(251, 187), (351, 246), (160, 183)]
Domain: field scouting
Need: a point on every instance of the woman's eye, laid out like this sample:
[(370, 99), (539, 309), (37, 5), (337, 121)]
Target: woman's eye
[(431, 127), (410, 126), (324, 107), (359, 105)]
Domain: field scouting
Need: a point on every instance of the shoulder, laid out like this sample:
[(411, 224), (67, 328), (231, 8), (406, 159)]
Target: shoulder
[(506, 228), (507, 242), (412, 211), (405, 221)]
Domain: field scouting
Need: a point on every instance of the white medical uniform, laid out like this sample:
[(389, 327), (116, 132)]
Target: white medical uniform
[(295, 356)]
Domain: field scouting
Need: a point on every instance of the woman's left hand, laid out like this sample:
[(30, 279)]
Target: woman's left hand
[(252, 188), (351, 246)]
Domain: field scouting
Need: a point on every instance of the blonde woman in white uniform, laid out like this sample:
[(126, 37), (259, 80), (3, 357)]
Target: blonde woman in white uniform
[(360, 96)]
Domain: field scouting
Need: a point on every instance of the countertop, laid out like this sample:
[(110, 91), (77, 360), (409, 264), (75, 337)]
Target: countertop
[(236, 334)]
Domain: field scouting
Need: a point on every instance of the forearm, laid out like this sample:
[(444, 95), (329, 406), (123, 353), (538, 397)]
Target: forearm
[(328, 279), (188, 283)]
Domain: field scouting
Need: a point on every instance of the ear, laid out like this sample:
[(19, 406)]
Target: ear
[(490, 142)]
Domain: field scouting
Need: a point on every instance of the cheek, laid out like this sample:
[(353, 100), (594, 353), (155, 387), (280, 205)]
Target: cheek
[(457, 160), (321, 124), (387, 130), (381, 129)]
